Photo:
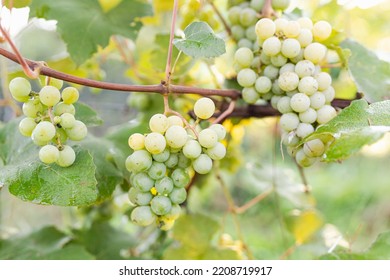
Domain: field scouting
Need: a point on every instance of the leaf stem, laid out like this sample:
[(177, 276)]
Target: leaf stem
[(170, 47)]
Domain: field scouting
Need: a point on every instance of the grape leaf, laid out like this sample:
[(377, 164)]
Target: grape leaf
[(87, 115), (200, 41), (84, 25), (371, 75), (357, 125)]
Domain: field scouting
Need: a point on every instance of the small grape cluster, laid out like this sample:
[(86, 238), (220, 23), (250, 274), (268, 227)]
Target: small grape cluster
[(163, 160), (287, 73), (243, 17), (192, 10), (50, 119)]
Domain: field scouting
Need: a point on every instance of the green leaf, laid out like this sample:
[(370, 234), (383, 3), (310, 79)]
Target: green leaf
[(357, 125), (16, 3), (380, 249), (70, 252), (87, 115), (200, 41), (370, 74), (104, 241), (84, 25)]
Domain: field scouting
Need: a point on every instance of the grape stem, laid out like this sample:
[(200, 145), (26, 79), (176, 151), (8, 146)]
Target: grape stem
[(252, 202), (221, 18), (267, 11), (170, 47), (226, 112)]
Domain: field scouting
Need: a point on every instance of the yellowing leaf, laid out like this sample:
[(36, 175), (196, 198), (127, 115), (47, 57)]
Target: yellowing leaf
[(305, 224), (109, 4)]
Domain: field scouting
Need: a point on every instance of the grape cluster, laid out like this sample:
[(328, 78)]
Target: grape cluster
[(286, 71), (50, 119), (163, 161), (243, 16), (192, 10)]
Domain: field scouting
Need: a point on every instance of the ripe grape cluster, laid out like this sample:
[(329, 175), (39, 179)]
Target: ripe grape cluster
[(163, 161), (192, 10), (49, 119), (285, 70)]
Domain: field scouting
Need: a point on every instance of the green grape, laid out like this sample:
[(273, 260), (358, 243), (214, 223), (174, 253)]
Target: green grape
[(278, 60), (78, 132), (244, 56), (161, 205), (265, 59), (175, 120), (70, 95), (157, 170), (250, 95), (304, 68), (220, 130), (203, 164), (280, 4), (292, 29), (62, 135), (57, 83), (248, 17), (208, 138), (238, 32), (324, 80), (257, 5), (317, 100), (322, 30), (300, 102), (143, 182), (161, 157), (289, 138), (62, 108), (49, 154), (234, 14), (49, 96), (274, 101), (306, 23), (309, 116), (329, 94), (38, 142), (158, 123), (132, 195), (315, 52), (305, 37), (136, 141), (275, 89), (217, 152), (290, 48), (178, 195), (308, 85), (176, 136), (192, 149), (280, 24), (304, 160), (180, 178), (250, 33), (155, 143), (164, 186), (288, 67), (304, 129), (143, 216), (314, 148), (265, 28), (172, 161), (272, 46), (31, 108), (183, 161), (20, 89), (288, 81), (44, 131), (204, 108), (325, 114), (68, 121), (298, 58), (246, 77), (174, 213), (138, 100), (139, 161), (289, 121), (66, 156), (165, 223), (283, 105), (27, 126), (143, 198), (271, 72)]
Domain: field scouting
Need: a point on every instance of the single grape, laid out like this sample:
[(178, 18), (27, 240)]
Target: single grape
[(139, 161), (180, 178), (271, 72), (244, 57), (192, 149), (250, 95), (272, 46), (175, 120), (183, 161), (305, 22), (78, 131), (283, 105), (31, 108), (161, 205), (208, 138), (288, 81), (280, 4), (164, 186), (49, 154), (314, 148), (143, 216), (290, 48), (132, 195), (324, 80), (204, 108), (217, 152), (238, 32), (174, 213), (315, 52), (317, 100), (305, 37), (234, 14), (292, 29), (61, 108), (329, 94), (246, 77), (143, 182), (178, 195), (309, 116), (155, 143), (300, 102), (220, 130), (66, 156), (20, 89), (265, 28), (70, 95), (57, 83), (27, 126), (157, 170), (248, 17), (298, 58), (158, 123), (264, 59), (263, 84), (304, 68), (325, 114), (44, 131), (143, 198), (304, 160), (203, 164), (288, 67), (161, 157), (304, 129), (172, 161), (308, 85), (289, 121), (250, 33), (49, 95), (280, 24), (322, 30), (176, 136), (136, 141), (67, 121)]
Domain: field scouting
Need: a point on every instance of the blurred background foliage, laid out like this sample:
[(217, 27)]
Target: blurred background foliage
[(346, 209)]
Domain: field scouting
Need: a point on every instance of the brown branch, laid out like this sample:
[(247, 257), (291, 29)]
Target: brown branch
[(159, 88)]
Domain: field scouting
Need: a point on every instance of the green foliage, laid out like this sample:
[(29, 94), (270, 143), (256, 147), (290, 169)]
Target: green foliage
[(84, 25), (87, 115), (200, 41), (16, 3), (358, 125), (368, 71)]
